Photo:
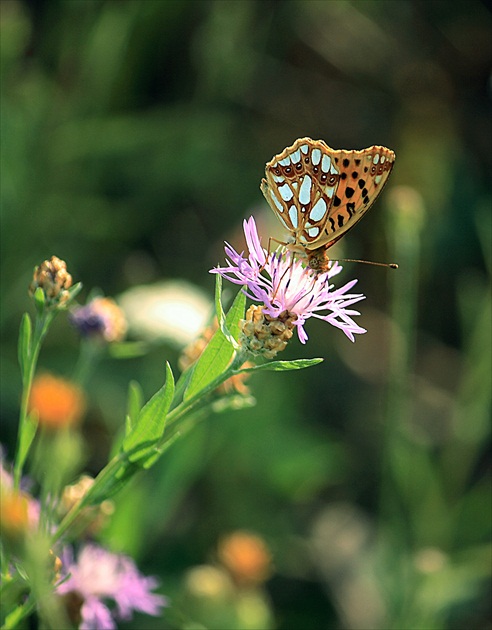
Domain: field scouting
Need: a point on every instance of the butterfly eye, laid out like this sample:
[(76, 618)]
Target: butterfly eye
[(288, 170), (332, 180), (316, 169), (373, 170), (298, 166), (323, 178), (276, 171), (306, 160)]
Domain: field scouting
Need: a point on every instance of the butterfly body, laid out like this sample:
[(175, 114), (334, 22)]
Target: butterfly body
[(319, 193)]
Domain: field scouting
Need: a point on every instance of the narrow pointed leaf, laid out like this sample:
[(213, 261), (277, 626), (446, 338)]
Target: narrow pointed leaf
[(75, 290), (151, 422), (219, 351), (39, 300), (24, 346), (134, 405), (26, 438), (221, 317), (282, 366)]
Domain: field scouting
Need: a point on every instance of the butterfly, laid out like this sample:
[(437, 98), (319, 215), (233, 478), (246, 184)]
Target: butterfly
[(319, 193)]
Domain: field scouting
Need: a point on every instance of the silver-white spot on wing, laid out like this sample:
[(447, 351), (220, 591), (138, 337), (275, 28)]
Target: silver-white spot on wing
[(316, 156), (295, 157), (318, 211), (313, 231), (293, 215), (276, 201), (329, 190), (285, 192), (325, 163), (375, 159), (305, 190)]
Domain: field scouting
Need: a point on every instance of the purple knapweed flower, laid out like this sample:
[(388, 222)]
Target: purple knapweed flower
[(283, 284), (99, 575), (101, 318)]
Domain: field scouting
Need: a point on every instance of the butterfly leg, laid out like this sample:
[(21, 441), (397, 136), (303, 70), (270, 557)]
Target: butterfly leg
[(270, 239)]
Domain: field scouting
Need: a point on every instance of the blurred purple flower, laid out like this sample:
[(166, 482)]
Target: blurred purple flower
[(282, 283), (101, 318), (99, 575)]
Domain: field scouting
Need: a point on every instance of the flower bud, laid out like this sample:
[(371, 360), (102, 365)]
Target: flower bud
[(53, 278)]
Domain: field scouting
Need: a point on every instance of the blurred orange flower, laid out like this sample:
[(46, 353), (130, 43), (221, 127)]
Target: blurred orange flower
[(58, 402), (14, 516), (246, 556)]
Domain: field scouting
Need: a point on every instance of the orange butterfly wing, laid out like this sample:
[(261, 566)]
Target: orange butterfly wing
[(319, 193)]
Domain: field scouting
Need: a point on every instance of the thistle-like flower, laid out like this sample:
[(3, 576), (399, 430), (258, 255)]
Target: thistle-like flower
[(55, 281), (99, 575), (289, 294)]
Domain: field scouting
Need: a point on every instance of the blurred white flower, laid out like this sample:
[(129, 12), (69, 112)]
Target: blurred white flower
[(174, 311)]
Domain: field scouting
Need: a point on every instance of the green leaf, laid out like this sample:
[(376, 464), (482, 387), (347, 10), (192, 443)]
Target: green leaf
[(27, 436), (39, 300), (221, 317), (182, 383), (134, 405), (218, 300), (24, 345), (106, 487), (151, 421), (216, 357), (75, 290), (282, 366)]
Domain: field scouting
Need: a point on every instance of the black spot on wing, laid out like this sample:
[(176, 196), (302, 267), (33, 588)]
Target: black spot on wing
[(337, 201), (332, 223), (349, 192), (351, 208), (340, 220), (346, 162), (361, 183)]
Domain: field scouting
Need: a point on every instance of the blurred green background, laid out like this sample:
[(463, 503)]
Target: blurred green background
[(134, 137)]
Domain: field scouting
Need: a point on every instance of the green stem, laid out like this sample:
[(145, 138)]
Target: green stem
[(41, 328), (17, 615), (90, 351), (192, 405), (106, 473), (199, 399)]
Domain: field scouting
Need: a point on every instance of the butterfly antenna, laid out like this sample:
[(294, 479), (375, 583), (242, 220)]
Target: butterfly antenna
[(369, 262)]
